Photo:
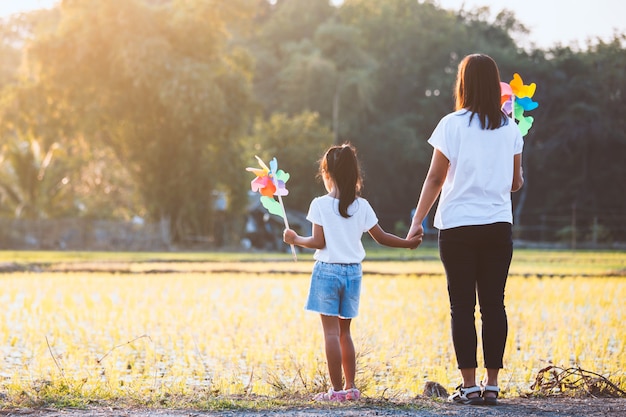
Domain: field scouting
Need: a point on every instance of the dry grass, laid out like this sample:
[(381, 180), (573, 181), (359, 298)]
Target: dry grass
[(151, 335)]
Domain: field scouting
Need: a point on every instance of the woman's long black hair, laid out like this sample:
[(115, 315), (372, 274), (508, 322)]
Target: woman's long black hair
[(478, 90)]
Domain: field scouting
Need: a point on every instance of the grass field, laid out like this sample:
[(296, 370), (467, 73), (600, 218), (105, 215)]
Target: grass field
[(151, 327)]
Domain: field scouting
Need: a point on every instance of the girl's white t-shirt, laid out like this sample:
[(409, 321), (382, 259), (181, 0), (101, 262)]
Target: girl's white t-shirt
[(477, 189), (342, 235)]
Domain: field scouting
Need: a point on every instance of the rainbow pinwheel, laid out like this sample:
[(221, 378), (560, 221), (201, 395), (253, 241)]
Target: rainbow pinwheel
[(516, 99), (270, 182)]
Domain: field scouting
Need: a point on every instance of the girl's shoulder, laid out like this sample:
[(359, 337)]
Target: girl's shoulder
[(360, 201), (324, 197), (323, 200)]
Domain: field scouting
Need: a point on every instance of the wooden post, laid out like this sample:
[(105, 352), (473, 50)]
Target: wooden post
[(573, 225)]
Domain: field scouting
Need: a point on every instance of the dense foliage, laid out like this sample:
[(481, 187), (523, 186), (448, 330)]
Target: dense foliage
[(153, 108)]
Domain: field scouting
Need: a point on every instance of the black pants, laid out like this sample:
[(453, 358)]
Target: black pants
[(477, 260)]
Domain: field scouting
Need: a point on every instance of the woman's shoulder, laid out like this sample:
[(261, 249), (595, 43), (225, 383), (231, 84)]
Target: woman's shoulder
[(459, 116)]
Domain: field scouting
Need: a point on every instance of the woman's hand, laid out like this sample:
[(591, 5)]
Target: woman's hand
[(415, 230)]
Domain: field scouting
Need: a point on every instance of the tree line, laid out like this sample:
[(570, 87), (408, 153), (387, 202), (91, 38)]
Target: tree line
[(154, 108)]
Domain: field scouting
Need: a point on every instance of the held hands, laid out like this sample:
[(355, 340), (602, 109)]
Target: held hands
[(415, 241), (416, 234)]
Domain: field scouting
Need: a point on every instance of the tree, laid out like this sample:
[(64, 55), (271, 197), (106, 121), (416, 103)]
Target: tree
[(306, 60), (155, 83), (9, 54), (291, 75), (353, 69), (578, 136), (158, 90), (31, 184), (292, 21), (34, 170)]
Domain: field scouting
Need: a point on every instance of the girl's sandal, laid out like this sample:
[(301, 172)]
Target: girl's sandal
[(491, 389), (331, 396), (353, 394)]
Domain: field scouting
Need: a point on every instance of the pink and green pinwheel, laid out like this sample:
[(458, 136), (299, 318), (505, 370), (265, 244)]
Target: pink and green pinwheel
[(516, 99), (270, 182)]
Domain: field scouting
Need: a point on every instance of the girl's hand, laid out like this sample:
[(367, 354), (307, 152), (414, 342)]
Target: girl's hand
[(415, 241), (289, 236), (316, 241)]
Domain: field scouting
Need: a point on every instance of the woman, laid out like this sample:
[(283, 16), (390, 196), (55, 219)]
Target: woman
[(476, 164)]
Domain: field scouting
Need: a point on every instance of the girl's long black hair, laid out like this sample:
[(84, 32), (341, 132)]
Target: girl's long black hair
[(342, 165)]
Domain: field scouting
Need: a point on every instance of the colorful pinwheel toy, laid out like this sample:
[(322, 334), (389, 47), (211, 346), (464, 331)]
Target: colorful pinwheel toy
[(270, 182), (516, 99)]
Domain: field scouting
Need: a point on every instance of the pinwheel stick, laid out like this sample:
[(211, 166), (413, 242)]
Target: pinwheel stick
[(282, 206), (513, 107)]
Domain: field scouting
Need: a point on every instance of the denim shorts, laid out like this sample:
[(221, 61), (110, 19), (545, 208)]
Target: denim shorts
[(335, 289)]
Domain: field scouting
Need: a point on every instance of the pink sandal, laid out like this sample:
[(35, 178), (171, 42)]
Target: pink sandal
[(353, 394), (331, 396)]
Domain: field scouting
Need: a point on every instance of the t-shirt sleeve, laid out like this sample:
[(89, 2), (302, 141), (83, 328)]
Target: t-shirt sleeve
[(438, 138), (314, 215), (370, 219)]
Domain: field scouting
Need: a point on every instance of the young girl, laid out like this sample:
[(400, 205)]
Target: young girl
[(476, 164), (339, 220)]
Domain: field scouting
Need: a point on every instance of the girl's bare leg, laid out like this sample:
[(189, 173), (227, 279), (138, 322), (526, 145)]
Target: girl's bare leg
[(332, 332), (348, 355)]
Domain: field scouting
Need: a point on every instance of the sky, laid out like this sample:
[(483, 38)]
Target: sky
[(558, 21), (567, 22)]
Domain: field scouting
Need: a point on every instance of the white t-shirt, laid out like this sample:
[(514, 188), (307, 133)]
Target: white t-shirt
[(342, 235), (477, 189)]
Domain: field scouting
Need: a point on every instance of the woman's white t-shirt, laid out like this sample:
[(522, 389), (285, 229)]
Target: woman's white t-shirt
[(342, 235), (477, 189)]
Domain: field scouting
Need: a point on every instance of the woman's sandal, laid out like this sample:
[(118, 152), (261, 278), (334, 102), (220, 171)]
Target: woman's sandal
[(490, 400), (461, 395)]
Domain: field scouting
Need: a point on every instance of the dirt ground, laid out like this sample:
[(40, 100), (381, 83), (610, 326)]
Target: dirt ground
[(527, 407)]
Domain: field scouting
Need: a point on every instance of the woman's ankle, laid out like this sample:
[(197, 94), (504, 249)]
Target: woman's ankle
[(491, 377)]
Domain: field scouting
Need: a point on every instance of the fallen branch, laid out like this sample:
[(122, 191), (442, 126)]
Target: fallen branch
[(553, 380)]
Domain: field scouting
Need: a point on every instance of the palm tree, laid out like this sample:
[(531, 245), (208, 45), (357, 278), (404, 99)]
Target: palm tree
[(27, 182)]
